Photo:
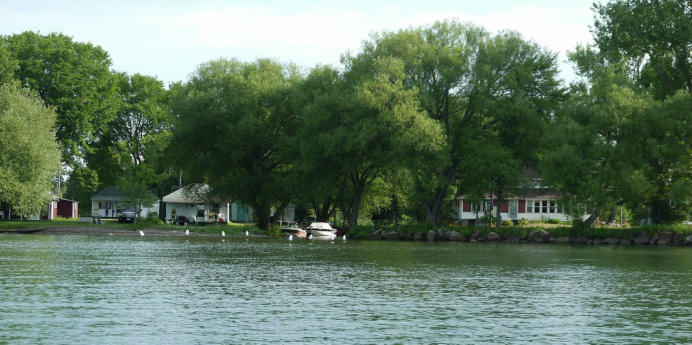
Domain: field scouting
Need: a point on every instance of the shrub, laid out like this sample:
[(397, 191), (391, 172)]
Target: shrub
[(360, 231), (152, 219), (417, 228), (553, 221)]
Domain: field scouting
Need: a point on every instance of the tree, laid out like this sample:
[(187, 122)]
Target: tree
[(82, 184), (134, 185), (232, 124), (72, 77), (7, 65), (593, 156), (29, 155), (141, 125), (474, 85), (651, 40), (364, 129), (650, 43)]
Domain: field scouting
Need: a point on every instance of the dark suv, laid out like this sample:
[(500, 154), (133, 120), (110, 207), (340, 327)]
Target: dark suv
[(126, 217)]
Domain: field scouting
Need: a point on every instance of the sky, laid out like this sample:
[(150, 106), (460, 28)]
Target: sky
[(169, 39)]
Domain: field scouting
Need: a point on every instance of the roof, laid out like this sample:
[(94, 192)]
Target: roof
[(113, 193), (191, 194), (531, 193)]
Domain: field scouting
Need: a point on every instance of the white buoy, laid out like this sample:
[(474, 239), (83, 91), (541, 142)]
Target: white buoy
[(310, 237), (141, 233), (344, 237), (290, 237), (187, 232), (247, 233), (223, 233)]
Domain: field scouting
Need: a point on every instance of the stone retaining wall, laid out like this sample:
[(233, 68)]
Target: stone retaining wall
[(665, 238)]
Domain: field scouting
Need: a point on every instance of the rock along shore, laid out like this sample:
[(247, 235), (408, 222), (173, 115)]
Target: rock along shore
[(665, 238)]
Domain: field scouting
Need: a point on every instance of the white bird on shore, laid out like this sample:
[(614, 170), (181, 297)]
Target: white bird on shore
[(141, 233), (310, 237), (223, 233), (187, 232), (247, 233), (344, 237), (290, 237)]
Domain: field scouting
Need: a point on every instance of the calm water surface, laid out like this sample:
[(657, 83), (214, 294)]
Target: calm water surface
[(202, 290)]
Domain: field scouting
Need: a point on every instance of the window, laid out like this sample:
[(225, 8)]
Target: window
[(200, 210), (541, 206)]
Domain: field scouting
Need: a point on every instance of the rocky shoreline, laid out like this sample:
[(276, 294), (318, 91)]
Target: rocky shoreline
[(665, 238)]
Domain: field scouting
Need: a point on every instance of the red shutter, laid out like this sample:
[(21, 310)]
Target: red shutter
[(466, 206)]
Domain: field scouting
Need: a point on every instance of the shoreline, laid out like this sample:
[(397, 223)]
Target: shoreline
[(96, 230)]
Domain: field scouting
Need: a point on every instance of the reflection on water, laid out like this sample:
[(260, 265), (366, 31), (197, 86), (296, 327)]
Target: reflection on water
[(202, 290)]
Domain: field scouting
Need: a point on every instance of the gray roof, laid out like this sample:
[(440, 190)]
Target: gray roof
[(192, 194)]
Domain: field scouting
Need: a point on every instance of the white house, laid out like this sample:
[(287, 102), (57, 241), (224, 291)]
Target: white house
[(109, 202), (538, 204), (190, 203)]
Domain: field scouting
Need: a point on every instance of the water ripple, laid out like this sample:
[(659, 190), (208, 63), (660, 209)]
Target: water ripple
[(115, 290)]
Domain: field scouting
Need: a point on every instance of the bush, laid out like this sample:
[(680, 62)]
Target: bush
[(553, 221), (360, 231), (152, 219), (413, 228)]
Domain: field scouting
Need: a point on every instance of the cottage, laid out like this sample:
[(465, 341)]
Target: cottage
[(189, 202), (534, 205), (109, 202)]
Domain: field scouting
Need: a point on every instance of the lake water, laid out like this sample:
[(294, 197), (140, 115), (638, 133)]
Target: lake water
[(74, 289)]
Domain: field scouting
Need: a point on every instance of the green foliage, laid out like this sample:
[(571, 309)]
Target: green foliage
[(82, 184), (413, 228), (72, 77), (138, 134), (360, 231), (649, 41), (232, 121), (29, 155), (553, 221), (152, 219), (7, 65)]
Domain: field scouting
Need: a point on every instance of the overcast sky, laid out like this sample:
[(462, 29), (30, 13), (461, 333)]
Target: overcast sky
[(169, 39)]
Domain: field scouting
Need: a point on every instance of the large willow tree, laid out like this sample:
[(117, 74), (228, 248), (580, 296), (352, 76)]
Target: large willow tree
[(479, 87), (232, 120)]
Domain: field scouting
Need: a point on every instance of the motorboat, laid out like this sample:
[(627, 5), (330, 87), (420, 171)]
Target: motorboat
[(291, 228), (321, 230)]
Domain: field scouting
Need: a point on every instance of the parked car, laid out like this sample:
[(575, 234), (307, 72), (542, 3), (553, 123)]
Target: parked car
[(182, 220), (126, 217)]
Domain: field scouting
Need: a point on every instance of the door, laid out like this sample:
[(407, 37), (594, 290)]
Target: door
[(513, 209)]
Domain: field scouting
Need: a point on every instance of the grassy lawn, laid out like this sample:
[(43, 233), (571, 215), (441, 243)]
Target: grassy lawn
[(231, 229)]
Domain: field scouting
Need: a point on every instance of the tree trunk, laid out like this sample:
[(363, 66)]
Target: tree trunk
[(279, 211), (263, 216), (613, 215), (355, 207), (592, 218), (498, 216), (433, 209)]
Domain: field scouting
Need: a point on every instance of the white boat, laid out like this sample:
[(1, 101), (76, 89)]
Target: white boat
[(291, 228), (320, 230)]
